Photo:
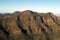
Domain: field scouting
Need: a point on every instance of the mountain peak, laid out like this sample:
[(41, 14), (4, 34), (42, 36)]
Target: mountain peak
[(49, 13), (27, 12)]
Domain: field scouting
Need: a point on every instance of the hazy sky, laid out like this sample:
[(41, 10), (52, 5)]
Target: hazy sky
[(34, 5)]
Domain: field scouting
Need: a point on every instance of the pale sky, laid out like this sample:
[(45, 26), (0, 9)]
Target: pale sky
[(34, 5)]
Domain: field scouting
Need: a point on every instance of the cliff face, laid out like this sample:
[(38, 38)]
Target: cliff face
[(29, 25)]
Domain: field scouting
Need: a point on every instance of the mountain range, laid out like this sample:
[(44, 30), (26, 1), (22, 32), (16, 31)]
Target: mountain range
[(29, 25)]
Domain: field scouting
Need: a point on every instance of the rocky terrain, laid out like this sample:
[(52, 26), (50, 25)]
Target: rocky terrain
[(29, 25)]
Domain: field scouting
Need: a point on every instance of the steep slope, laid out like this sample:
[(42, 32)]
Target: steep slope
[(29, 25)]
